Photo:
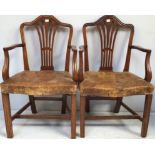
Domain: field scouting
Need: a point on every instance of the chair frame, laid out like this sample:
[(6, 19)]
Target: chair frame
[(85, 100), (44, 66)]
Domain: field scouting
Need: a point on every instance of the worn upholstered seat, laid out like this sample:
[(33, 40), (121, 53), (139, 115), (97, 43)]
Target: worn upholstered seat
[(40, 83), (114, 84)]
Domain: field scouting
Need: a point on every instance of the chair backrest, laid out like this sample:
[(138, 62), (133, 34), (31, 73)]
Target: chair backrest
[(46, 27), (108, 27)]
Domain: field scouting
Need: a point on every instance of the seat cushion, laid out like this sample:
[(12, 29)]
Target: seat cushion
[(114, 84), (40, 83)]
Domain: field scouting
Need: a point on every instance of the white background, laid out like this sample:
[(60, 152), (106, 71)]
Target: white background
[(80, 7), (144, 36)]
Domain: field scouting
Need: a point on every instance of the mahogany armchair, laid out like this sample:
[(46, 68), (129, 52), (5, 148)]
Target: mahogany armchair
[(107, 84), (43, 84)]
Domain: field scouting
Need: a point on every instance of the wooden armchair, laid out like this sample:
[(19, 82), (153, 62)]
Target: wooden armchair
[(108, 85), (43, 84)]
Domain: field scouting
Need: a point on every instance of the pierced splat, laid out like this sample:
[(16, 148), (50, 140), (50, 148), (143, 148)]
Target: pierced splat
[(108, 31), (108, 27), (46, 30), (46, 27)]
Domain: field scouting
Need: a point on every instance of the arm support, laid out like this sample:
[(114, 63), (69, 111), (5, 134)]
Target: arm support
[(81, 76), (74, 63), (82, 49), (148, 72), (5, 71)]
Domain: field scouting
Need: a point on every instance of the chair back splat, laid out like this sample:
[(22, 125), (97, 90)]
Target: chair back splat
[(108, 27), (46, 27)]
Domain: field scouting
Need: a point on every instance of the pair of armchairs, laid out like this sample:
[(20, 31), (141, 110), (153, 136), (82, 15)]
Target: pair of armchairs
[(102, 85)]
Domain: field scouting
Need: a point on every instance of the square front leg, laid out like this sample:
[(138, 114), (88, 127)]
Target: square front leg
[(7, 114), (146, 115)]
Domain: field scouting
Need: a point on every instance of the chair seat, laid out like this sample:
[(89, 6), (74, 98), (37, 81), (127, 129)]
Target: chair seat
[(40, 83), (114, 84)]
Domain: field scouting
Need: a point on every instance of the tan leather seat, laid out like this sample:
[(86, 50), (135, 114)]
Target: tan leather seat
[(114, 84), (40, 83)]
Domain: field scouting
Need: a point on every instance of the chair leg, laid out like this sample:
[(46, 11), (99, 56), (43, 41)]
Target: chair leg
[(87, 105), (33, 106), (73, 116), (118, 105), (146, 115), (7, 115), (82, 116), (64, 104)]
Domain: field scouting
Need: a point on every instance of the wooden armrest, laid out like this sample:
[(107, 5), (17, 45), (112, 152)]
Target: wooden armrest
[(13, 47), (148, 72), (140, 49), (5, 71)]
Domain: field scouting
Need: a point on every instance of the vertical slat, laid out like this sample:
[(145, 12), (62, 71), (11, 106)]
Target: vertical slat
[(114, 38), (43, 42), (110, 44), (110, 35), (107, 65), (46, 48), (50, 36), (104, 59), (108, 27), (105, 44), (108, 32)]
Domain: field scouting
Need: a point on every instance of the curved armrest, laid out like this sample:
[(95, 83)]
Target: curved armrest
[(74, 63), (5, 71), (140, 49), (148, 72), (13, 47)]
